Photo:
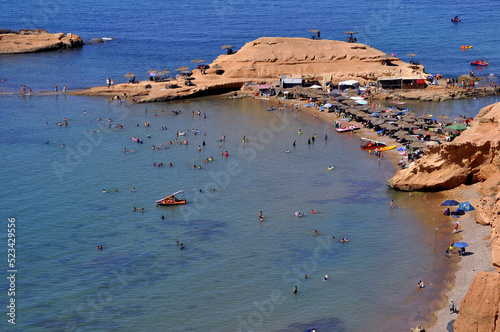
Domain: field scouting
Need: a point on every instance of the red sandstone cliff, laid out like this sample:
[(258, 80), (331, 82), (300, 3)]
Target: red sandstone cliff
[(472, 157), (480, 308), (29, 41)]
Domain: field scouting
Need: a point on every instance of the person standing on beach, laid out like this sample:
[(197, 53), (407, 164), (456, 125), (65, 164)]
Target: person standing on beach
[(452, 307), (455, 229)]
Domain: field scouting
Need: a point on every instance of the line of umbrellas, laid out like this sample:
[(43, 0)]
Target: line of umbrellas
[(182, 69), (402, 125)]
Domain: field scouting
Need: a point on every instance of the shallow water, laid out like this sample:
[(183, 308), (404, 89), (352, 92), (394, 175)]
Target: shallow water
[(232, 262), (235, 271)]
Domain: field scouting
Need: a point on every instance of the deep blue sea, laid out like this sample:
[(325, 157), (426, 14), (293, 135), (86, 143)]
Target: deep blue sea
[(236, 273)]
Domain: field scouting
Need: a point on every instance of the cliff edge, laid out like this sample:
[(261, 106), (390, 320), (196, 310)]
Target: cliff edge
[(474, 157)]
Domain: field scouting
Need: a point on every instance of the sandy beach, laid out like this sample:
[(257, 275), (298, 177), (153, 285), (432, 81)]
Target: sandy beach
[(478, 259), (454, 275)]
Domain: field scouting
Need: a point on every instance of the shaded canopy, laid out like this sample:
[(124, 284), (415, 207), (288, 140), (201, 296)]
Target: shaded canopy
[(418, 145), (314, 30), (151, 71), (183, 68), (224, 47), (459, 119), (350, 32), (457, 126), (411, 55), (198, 61), (216, 66), (129, 75), (443, 117)]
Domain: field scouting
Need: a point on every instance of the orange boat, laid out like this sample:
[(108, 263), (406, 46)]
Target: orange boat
[(172, 200), (478, 63)]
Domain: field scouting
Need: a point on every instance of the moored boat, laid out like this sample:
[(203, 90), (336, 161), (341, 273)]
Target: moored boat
[(372, 144), (172, 199), (340, 128), (385, 148)]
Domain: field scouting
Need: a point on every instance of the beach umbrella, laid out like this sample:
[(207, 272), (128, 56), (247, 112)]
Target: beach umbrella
[(410, 113), (457, 126), (459, 119), (401, 133), (350, 32), (425, 116), (389, 126), (443, 117), (328, 105), (460, 245), (314, 31), (411, 55), (377, 121), (418, 145), (187, 78), (129, 75), (449, 202), (183, 68), (198, 61), (216, 67), (225, 47)]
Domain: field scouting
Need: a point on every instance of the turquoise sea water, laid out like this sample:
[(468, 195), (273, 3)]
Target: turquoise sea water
[(236, 273)]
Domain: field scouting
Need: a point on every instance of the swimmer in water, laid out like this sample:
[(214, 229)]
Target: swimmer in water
[(287, 151), (104, 191), (294, 290), (325, 278), (261, 216)]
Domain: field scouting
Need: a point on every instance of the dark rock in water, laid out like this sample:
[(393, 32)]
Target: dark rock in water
[(95, 41)]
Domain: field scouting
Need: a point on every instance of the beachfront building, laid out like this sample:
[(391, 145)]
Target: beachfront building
[(351, 84), (289, 81), (393, 83)]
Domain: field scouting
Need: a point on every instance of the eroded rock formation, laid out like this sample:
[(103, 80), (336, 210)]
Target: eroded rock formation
[(29, 41)]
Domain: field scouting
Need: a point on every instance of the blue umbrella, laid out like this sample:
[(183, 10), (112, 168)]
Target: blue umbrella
[(460, 245), (449, 202)]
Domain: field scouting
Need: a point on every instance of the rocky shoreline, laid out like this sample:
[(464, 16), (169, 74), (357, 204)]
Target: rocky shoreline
[(471, 159), (30, 41)]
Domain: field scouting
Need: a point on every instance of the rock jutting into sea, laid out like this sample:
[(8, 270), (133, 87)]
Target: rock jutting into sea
[(265, 59), (472, 158), (30, 41)]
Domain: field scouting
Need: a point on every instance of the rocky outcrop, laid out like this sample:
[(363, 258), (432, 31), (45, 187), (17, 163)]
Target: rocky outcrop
[(472, 157), (269, 57), (480, 308), (29, 41), (265, 59)]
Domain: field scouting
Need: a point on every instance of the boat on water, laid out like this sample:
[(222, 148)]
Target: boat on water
[(172, 199), (478, 63), (372, 144), (385, 148), (456, 19), (339, 126), (465, 47)]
